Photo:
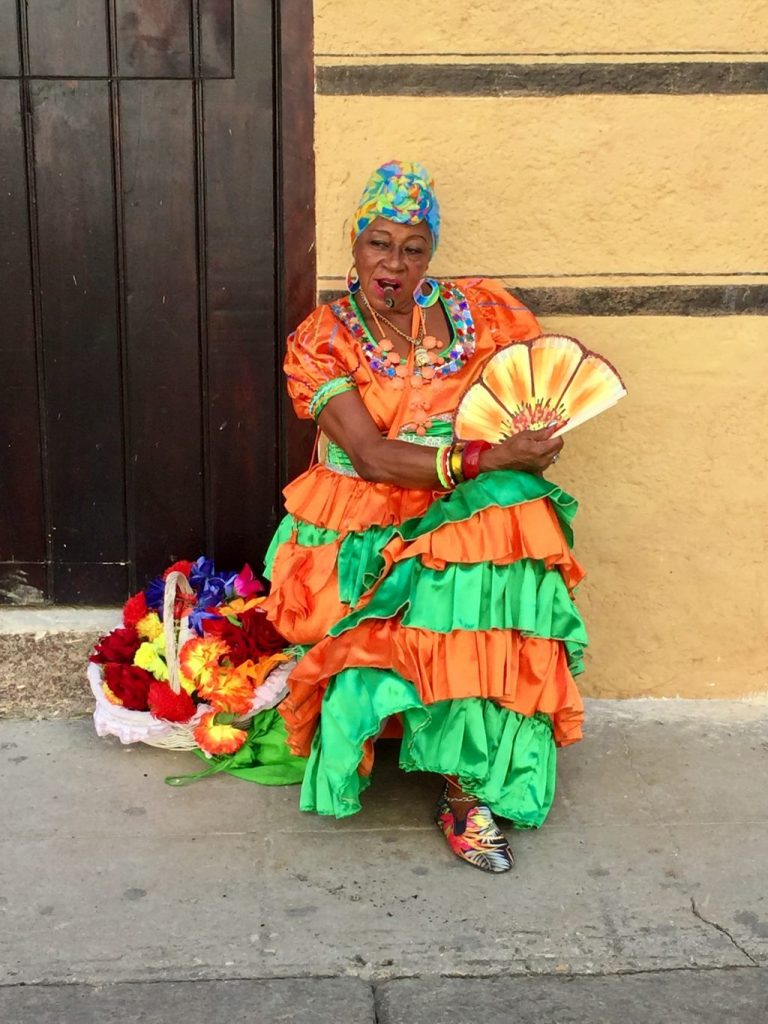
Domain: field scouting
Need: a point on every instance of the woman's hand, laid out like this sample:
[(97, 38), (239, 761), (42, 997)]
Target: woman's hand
[(531, 451)]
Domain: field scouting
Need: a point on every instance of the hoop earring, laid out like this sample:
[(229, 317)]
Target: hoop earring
[(353, 281), (431, 297)]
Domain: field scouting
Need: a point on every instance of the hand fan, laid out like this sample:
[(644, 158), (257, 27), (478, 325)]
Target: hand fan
[(530, 384)]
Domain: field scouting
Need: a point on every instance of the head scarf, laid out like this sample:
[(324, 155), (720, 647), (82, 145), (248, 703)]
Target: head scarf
[(402, 192)]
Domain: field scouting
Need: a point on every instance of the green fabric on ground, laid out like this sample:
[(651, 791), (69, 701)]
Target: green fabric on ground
[(264, 757), (507, 760)]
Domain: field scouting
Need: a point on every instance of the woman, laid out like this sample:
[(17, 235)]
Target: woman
[(426, 585)]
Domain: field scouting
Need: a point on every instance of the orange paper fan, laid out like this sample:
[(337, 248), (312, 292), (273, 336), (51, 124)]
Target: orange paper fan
[(530, 384)]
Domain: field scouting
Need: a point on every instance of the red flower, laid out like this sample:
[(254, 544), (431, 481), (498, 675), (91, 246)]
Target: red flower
[(254, 638), (135, 608), (119, 645), (183, 566), (129, 683), (164, 703)]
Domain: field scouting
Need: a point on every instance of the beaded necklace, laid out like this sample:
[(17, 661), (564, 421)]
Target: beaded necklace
[(462, 346)]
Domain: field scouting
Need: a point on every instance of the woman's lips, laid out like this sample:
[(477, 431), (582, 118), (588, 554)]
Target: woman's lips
[(386, 284)]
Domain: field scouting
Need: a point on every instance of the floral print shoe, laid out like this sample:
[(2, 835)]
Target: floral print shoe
[(477, 840)]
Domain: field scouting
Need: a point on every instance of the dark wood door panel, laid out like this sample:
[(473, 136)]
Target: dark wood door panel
[(154, 38), (22, 528), (217, 36), (68, 38), (81, 379), (145, 284), (243, 347), (165, 391)]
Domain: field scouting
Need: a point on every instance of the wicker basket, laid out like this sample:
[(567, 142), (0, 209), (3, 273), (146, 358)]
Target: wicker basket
[(142, 726)]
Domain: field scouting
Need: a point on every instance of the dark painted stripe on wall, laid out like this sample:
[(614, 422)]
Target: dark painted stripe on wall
[(665, 300), (677, 78)]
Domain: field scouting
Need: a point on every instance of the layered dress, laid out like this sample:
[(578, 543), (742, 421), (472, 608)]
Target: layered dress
[(448, 616)]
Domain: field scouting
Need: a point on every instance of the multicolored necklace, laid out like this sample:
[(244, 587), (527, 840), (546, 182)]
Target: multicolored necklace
[(426, 357), (462, 347)]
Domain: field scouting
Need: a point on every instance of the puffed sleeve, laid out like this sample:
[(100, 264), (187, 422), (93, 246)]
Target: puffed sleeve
[(319, 363), (506, 316)]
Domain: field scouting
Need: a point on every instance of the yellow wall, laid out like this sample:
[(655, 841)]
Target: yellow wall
[(668, 192)]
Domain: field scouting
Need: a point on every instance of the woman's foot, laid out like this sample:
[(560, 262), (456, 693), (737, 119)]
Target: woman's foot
[(471, 832)]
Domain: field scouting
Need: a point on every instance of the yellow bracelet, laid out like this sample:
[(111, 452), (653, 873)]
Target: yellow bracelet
[(440, 455), (454, 461)]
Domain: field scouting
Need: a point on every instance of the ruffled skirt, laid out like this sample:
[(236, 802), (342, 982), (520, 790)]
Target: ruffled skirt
[(457, 618)]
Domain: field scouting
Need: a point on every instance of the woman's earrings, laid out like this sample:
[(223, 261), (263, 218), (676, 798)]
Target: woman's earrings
[(429, 298), (353, 281)]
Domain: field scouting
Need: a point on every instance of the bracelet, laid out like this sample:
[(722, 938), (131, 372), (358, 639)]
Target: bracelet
[(470, 458), (447, 469), (455, 461), (439, 467)]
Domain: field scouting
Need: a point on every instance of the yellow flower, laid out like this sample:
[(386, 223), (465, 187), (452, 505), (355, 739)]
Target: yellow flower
[(150, 627), (200, 659), (148, 657)]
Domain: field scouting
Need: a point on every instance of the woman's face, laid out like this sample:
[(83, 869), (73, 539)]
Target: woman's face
[(390, 255)]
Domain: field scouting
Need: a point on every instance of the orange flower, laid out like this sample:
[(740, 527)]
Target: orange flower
[(200, 659), (238, 605), (218, 737), (264, 666), (229, 689)]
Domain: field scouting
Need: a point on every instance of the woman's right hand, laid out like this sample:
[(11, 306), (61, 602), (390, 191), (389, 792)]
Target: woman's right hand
[(530, 451)]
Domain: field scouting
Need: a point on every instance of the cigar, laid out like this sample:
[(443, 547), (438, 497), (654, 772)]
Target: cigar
[(389, 297)]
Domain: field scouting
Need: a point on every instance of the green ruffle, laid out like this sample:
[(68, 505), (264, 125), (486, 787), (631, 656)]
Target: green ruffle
[(503, 487), (524, 596), (507, 760), (361, 563), (306, 534)]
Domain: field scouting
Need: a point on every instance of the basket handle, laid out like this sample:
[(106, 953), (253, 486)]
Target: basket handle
[(175, 580)]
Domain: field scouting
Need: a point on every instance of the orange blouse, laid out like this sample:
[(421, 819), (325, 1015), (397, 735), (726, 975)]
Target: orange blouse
[(325, 348)]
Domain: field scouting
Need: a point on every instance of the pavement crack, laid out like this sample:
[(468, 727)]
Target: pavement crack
[(723, 931)]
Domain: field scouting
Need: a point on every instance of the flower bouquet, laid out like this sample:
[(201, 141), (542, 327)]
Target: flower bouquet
[(194, 659)]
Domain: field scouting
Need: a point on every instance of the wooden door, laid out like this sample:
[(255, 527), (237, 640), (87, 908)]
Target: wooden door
[(151, 155)]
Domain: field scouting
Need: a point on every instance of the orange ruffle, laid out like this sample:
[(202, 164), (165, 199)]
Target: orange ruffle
[(524, 674), (304, 600), (494, 534), (348, 503)]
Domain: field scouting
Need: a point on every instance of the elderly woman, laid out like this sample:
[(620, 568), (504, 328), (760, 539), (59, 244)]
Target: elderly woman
[(426, 584)]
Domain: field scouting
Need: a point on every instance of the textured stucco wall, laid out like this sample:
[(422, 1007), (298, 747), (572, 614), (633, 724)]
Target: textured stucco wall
[(602, 159)]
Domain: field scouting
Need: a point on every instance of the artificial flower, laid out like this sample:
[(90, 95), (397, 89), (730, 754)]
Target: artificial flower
[(229, 689), (218, 737), (182, 566), (111, 696), (200, 659), (150, 627), (246, 584), (164, 703), (135, 608), (252, 636), (129, 683), (118, 646), (154, 592), (149, 657), (239, 605)]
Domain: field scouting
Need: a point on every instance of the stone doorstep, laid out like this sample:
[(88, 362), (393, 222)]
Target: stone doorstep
[(58, 619)]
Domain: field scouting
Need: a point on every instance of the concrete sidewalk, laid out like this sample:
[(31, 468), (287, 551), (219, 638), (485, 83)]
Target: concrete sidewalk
[(122, 890)]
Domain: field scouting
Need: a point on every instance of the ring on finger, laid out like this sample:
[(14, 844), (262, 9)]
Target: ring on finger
[(555, 457)]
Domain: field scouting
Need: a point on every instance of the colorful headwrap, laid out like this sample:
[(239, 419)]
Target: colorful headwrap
[(402, 192)]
